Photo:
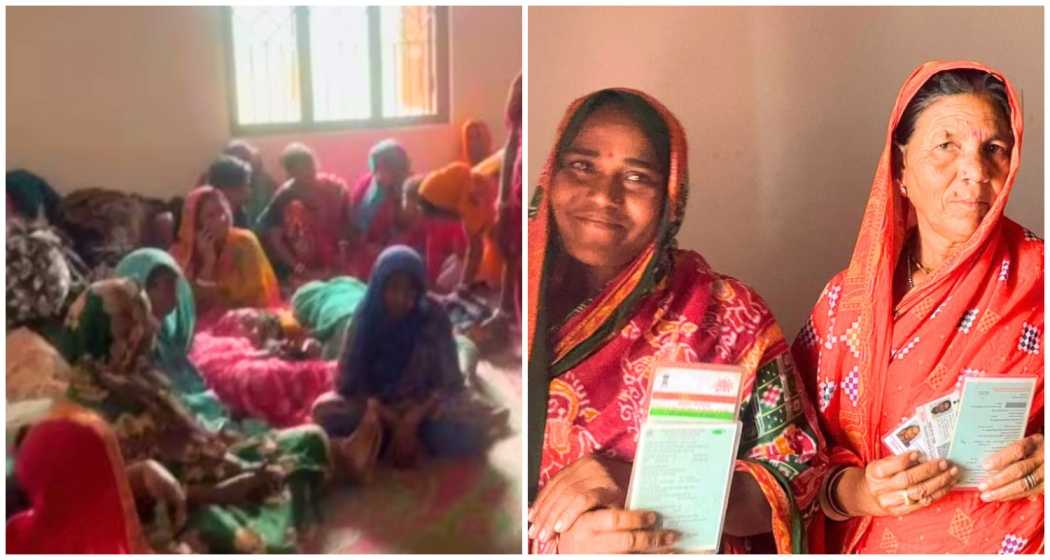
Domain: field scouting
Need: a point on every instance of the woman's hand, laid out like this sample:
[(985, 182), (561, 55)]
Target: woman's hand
[(615, 531), (896, 485), (1016, 472), (588, 483), (205, 246), (150, 479), (251, 487)]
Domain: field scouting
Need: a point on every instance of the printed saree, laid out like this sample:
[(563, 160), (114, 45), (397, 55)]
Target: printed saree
[(114, 376), (869, 363), (588, 380), (320, 211), (243, 272)]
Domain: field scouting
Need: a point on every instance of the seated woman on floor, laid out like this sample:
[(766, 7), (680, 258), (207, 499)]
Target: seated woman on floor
[(225, 265), (171, 302), (440, 239), (244, 494), (374, 204), (261, 185), (248, 368), (399, 370), (44, 274), (71, 469), (456, 193), (303, 227)]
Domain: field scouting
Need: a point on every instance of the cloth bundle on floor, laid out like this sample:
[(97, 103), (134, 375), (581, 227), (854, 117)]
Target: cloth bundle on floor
[(107, 224), (278, 391)]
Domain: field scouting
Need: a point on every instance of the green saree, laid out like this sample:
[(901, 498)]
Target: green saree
[(112, 331), (173, 345)]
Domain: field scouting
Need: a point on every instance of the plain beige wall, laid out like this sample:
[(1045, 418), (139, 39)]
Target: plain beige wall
[(134, 98), (786, 112)]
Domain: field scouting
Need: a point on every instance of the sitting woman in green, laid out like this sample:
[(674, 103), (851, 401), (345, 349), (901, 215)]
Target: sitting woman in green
[(244, 494), (171, 303)]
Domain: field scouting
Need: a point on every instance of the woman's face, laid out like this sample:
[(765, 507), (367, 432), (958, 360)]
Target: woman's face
[(389, 175), (213, 217), (161, 292), (608, 192), (304, 172), (955, 165), (399, 295)]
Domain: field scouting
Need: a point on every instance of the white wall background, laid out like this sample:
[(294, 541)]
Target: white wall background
[(134, 98), (785, 110)]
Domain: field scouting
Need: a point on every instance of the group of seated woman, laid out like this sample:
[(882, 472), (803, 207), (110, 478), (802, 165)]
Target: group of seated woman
[(941, 285), (322, 292)]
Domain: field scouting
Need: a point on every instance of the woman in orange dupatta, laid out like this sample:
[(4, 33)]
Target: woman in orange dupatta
[(609, 203), (225, 265), (906, 321), (71, 468)]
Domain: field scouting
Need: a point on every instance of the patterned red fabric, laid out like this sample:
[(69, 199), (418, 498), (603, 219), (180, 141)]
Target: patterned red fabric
[(281, 392), (698, 315), (868, 363), (380, 231)]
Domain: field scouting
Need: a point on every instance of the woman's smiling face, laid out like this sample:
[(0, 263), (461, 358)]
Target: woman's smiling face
[(608, 192)]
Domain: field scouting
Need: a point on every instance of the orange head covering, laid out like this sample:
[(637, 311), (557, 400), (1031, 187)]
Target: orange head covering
[(454, 188), (610, 310)]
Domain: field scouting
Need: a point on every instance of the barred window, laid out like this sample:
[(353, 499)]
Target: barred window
[(336, 67)]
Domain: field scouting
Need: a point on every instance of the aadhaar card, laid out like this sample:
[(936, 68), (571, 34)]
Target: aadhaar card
[(680, 391), (683, 472), (993, 413)]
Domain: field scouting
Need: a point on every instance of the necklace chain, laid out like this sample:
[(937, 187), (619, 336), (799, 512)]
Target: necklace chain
[(913, 265)]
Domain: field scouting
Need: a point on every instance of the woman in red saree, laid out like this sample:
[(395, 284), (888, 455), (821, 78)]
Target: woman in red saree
[(610, 294), (304, 224), (941, 285), (374, 206), (71, 468)]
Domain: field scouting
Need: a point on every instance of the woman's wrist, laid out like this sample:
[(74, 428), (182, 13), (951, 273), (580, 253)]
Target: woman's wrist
[(850, 492), (830, 501)]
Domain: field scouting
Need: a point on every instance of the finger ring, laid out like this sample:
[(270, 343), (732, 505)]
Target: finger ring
[(907, 498), (1029, 481)]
